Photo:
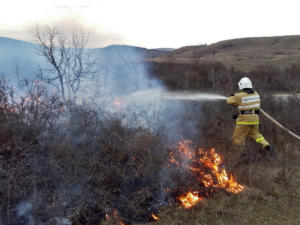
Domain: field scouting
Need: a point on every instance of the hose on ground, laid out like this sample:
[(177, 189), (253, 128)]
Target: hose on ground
[(279, 125)]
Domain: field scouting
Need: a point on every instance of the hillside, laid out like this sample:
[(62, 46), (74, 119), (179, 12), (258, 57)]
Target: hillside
[(21, 55), (117, 53), (147, 53), (16, 54), (244, 54)]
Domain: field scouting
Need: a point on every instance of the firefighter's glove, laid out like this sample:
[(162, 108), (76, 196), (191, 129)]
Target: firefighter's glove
[(235, 116)]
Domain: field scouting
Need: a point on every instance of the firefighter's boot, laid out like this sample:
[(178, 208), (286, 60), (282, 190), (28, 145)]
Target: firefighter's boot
[(270, 151)]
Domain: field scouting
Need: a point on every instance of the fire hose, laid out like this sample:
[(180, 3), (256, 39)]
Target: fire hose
[(279, 124)]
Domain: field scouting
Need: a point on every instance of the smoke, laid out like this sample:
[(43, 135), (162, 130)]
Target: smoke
[(179, 112), (128, 88), (176, 112), (24, 210), (63, 221), (18, 58)]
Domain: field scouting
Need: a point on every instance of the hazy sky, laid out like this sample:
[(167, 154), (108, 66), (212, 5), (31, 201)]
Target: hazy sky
[(153, 23)]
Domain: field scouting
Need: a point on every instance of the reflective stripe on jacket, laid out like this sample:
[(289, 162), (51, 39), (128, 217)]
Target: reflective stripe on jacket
[(245, 102)]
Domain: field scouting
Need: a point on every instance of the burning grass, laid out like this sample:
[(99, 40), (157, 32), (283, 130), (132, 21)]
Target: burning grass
[(206, 168), (268, 200), (203, 168), (190, 199)]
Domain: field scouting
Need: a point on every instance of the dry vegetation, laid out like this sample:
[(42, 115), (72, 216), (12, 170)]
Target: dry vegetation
[(67, 162), (215, 77), (64, 163)]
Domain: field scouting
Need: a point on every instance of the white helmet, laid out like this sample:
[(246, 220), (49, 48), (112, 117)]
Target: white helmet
[(245, 82)]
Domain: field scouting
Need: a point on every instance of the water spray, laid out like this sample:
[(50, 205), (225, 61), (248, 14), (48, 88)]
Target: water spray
[(157, 94), (192, 96)]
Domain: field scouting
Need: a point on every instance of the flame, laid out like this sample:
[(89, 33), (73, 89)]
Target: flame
[(121, 222), (213, 161), (190, 199), (106, 216), (172, 159), (216, 176), (183, 148), (155, 217), (115, 215), (117, 102), (167, 190)]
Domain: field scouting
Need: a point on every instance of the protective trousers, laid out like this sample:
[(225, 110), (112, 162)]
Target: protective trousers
[(242, 131)]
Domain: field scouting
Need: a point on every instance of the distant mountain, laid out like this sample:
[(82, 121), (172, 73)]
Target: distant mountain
[(22, 56), (244, 53), (139, 52), (165, 49), (7, 43), (18, 55)]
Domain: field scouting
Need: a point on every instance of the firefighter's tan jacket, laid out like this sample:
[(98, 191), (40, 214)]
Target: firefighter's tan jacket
[(245, 102)]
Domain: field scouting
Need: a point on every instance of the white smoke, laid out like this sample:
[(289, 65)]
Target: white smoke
[(63, 221), (128, 89), (24, 210), (168, 109)]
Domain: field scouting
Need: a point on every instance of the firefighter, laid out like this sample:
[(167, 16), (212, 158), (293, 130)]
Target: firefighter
[(247, 120)]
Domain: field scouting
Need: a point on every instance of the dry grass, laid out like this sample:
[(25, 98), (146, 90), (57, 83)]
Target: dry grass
[(251, 207)]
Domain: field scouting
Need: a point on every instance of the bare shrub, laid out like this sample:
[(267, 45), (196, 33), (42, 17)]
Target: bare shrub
[(73, 163)]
